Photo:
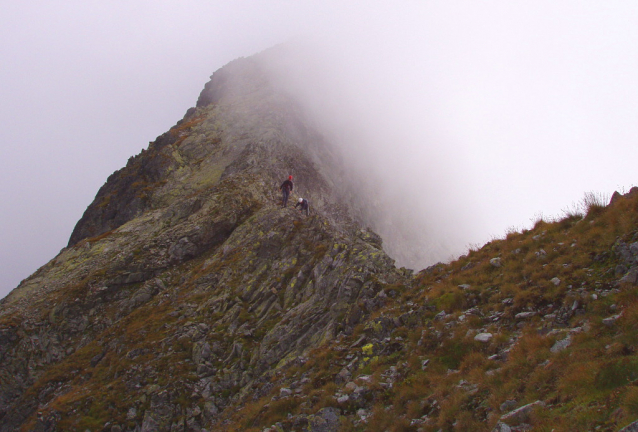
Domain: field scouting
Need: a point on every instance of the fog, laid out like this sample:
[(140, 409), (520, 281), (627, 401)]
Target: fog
[(473, 118)]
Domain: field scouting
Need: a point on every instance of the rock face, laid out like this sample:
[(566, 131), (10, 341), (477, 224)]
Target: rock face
[(185, 285)]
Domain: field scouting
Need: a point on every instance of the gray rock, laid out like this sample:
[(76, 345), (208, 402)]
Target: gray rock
[(182, 250), (555, 281), (561, 344), (363, 414), (610, 321), (524, 315), (98, 358), (160, 284), (521, 415), (508, 405), (621, 269), (210, 409), (483, 337), (633, 427), (343, 375), (441, 315), (326, 420), (149, 424), (343, 399), (45, 423), (351, 386), (501, 427), (631, 277), (496, 262), (625, 252), (160, 413), (467, 266), (131, 414)]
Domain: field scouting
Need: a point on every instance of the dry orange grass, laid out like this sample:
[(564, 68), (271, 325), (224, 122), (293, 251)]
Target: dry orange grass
[(630, 401), (576, 378), (592, 384)]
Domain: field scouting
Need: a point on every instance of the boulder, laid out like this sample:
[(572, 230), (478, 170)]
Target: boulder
[(610, 321), (325, 420), (631, 277), (182, 250), (483, 337), (508, 405), (633, 427), (524, 315), (501, 427), (521, 415), (561, 344)]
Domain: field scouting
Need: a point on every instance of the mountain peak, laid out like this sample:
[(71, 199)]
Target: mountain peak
[(240, 127), (190, 299), (186, 254)]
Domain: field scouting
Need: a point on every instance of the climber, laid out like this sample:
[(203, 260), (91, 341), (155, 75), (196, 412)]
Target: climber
[(286, 187), (304, 205)]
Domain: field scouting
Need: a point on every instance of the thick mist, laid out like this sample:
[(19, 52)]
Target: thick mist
[(461, 122), (401, 179)]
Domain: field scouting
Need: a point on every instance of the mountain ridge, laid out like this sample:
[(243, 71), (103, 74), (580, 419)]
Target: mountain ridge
[(173, 207), (189, 299)]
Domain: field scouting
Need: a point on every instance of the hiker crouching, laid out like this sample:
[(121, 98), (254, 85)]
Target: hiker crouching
[(305, 207)]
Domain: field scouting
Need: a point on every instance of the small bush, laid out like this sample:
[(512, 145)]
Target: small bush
[(452, 301)]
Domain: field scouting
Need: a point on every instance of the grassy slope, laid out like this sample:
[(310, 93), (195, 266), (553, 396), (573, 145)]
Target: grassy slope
[(590, 385)]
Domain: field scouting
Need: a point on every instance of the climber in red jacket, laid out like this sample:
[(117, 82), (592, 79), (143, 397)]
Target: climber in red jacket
[(286, 188)]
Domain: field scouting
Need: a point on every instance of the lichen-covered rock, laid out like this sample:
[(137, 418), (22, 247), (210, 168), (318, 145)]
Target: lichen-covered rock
[(325, 420)]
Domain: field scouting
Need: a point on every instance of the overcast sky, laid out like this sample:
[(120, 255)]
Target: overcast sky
[(506, 109)]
